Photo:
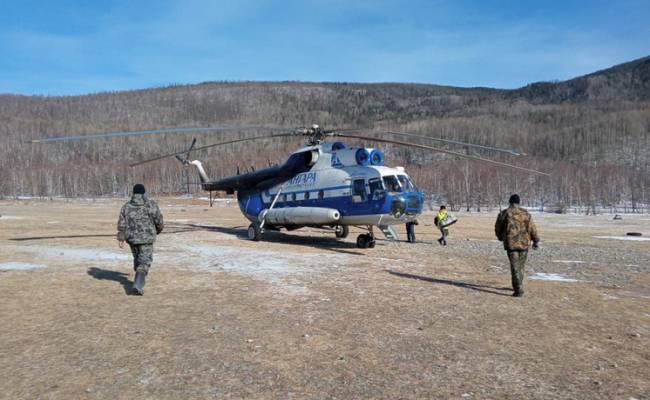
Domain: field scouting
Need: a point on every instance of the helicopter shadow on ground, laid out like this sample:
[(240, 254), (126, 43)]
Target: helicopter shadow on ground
[(108, 275), (471, 286), (321, 243)]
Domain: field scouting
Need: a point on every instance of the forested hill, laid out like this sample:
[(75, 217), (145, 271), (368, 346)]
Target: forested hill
[(592, 133), (624, 82)]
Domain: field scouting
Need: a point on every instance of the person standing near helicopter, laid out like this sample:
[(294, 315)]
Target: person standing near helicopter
[(139, 223), (410, 230)]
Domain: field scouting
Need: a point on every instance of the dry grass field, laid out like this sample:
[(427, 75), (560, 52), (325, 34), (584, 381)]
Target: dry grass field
[(303, 315)]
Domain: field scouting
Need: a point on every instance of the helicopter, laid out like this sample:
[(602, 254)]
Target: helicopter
[(324, 184)]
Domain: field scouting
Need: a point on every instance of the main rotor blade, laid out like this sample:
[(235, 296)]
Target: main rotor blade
[(406, 134), (213, 145), (226, 128), (191, 148), (454, 153)]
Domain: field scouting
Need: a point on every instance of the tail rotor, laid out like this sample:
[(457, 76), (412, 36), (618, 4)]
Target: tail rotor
[(185, 160)]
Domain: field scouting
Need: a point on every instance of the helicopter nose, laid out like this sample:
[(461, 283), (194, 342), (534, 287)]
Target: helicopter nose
[(414, 203), (398, 206)]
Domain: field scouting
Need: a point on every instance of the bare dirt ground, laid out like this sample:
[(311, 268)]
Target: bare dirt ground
[(302, 315)]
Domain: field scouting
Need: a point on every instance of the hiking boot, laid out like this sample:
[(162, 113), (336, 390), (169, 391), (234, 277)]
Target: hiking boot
[(518, 294), (138, 284), (440, 242)]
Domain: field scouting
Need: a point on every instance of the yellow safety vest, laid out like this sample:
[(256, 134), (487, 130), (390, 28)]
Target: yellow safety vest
[(442, 214)]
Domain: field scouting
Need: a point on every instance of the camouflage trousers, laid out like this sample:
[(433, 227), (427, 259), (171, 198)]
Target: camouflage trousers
[(517, 263), (142, 257)]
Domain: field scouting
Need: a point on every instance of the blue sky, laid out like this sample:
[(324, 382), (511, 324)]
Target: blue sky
[(75, 47)]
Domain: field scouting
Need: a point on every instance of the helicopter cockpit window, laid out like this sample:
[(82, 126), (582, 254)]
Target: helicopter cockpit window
[(391, 183), (358, 190), (406, 183), (376, 188)]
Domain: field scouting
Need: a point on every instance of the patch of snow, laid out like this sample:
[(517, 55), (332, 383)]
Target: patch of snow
[(627, 293), (257, 262), (20, 266), (628, 238), (568, 262), (202, 225), (10, 217), (386, 259), (53, 222), (73, 254), (272, 267), (541, 276)]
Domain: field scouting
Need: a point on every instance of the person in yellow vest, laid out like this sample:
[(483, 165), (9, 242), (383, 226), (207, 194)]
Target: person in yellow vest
[(443, 220)]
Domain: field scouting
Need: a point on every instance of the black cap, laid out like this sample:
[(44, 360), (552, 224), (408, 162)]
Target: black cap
[(514, 199), (138, 189)]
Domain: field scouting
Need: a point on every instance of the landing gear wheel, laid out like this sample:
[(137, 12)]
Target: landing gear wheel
[(254, 232), (342, 231), (362, 241), (365, 241)]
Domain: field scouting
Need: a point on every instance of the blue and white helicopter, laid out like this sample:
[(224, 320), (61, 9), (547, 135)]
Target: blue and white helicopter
[(323, 184)]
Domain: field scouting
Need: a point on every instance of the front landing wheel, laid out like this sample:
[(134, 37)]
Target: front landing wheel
[(254, 232), (341, 231)]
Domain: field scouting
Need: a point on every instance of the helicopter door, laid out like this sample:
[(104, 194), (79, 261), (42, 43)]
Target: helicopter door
[(359, 190)]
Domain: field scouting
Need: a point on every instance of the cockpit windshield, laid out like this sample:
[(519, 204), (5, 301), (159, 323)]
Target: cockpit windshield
[(391, 183), (406, 183)]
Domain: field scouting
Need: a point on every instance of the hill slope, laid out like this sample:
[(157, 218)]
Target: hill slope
[(625, 82)]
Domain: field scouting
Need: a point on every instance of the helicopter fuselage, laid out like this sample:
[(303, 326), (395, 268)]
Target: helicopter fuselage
[(351, 181)]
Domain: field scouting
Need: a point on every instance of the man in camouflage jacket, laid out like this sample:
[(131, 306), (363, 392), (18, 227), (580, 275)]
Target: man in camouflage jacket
[(515, 228), (139, 223)]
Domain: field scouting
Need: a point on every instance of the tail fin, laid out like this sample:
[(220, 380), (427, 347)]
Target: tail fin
[(202, 174)]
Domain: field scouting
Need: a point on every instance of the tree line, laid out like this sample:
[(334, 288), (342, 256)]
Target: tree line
[(596, 149)]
